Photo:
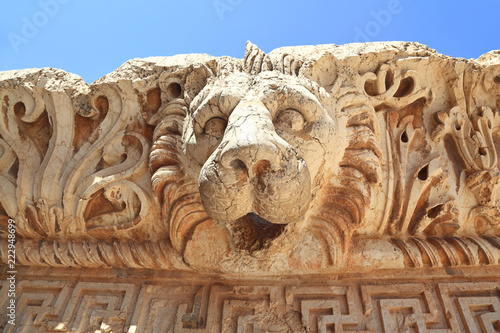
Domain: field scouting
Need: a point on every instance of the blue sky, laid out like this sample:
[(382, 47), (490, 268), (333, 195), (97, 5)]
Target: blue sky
[(92, 38)]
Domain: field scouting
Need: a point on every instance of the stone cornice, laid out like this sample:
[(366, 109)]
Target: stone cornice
[(307, 159)]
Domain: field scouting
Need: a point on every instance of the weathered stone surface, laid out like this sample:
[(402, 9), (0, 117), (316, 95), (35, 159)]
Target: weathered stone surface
[(52, 300), (371, 159)]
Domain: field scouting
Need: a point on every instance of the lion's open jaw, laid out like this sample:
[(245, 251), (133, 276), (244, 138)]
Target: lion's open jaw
[(252, 232)]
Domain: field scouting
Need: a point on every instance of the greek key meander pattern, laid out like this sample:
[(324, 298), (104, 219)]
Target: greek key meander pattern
[(432, 306)]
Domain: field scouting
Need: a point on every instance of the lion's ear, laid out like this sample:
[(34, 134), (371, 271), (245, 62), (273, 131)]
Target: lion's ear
[(196, 78), (323, 71), (256, 60)]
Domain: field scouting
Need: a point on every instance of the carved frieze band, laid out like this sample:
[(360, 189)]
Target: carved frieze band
[(441, 306), (292, 160), (415, 252)]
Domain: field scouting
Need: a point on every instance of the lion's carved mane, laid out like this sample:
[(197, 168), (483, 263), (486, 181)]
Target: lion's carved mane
[(339, 197)]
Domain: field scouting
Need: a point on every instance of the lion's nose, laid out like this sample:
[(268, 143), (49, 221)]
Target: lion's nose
[(253, 155), (251, 143)]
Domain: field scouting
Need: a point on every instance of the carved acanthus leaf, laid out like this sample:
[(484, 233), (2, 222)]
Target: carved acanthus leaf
[(392, 88), (65, 159)]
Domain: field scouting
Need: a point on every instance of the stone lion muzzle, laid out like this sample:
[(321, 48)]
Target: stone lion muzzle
[(254, 170), (259, 148)]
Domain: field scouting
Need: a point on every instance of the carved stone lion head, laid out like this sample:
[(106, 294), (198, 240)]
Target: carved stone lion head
[(253, 151), (259, 145)]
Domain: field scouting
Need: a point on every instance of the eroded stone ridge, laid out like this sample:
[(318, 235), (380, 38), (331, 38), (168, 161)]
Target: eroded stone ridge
[(306, 159)]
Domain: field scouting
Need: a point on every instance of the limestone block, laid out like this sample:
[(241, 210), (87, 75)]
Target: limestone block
[(309, 159)]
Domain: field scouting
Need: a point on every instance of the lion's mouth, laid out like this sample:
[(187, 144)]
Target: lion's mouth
[(252, 232)]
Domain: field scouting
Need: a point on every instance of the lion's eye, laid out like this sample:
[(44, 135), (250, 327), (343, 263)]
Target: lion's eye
[(291, 119), (215, 127)]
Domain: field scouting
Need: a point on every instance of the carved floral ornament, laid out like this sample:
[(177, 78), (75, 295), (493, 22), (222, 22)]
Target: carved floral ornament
[(307, 158)]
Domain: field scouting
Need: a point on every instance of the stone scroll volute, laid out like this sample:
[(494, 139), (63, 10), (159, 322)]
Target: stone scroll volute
[(303, 159)]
